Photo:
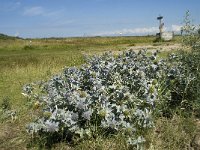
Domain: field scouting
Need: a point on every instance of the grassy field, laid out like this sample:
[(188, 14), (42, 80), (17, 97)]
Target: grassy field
[(28, 60)]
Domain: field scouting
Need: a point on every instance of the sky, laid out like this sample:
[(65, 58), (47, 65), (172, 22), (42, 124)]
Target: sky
[(71, 18)]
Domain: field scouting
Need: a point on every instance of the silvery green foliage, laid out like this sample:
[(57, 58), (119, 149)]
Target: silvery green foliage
[(108, 92), (191, 33), (174, 90)]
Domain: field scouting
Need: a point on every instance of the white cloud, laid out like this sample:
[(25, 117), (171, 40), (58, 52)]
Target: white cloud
[(40, 11), (34, 11), (176, 28), (58, 23), (135, 31), (140, 31), (16, 34), (9, 6), (17, 4), (56, 13)]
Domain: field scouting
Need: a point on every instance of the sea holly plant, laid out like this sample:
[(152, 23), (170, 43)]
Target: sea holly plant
[(114, 94), (191, 33)]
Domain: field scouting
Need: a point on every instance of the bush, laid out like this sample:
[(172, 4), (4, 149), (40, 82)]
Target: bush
[(184, 85), (174, 92), (191, 34), (109, 94), (191, 61), (5, 110), (29, 47)]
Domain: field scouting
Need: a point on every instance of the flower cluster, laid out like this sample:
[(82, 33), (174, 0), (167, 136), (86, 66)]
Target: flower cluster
[(109, 92)]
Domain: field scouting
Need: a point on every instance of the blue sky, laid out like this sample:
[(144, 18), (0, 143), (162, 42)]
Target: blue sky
[(66, 18)]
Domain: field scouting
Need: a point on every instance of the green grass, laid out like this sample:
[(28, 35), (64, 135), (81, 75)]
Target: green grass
[(22, 61)]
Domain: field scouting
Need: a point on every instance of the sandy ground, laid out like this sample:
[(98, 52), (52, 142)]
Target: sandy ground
[(169, 47), (152, 48)]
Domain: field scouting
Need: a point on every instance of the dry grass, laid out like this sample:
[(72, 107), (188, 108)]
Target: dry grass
[(173, 134)]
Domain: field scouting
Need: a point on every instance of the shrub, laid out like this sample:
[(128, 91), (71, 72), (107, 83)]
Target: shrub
[(191, 61), (174, 92), (183, 86), (29, 47), (5, 110), (109, 94), (191, 34)]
